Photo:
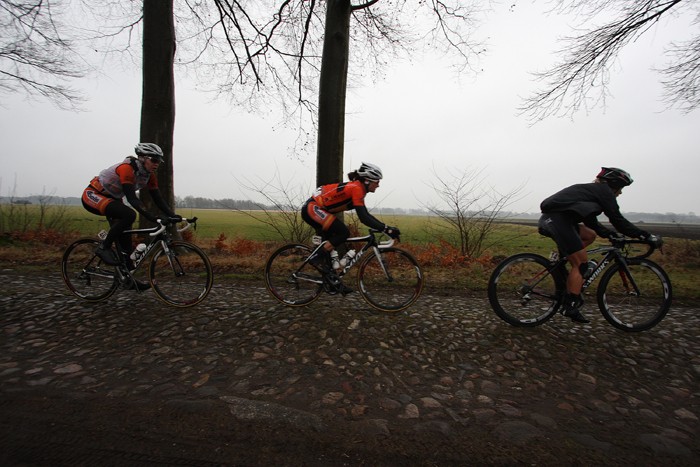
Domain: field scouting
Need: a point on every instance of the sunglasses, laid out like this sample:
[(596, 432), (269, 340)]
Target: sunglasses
[(155, 160)]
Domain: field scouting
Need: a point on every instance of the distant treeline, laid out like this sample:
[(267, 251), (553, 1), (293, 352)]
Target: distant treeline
[(248, 205)]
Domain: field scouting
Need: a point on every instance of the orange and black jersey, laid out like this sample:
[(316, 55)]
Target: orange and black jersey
[(338, 197)]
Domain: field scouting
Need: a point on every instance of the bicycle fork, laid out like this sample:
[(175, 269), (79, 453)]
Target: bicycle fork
[(627, 280), (382, 264), (173, 261)]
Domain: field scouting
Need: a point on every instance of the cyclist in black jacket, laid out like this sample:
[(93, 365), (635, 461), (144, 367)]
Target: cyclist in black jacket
[(569, 217)]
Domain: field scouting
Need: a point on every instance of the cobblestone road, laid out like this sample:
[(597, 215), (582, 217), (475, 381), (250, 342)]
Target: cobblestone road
[(447, 367)]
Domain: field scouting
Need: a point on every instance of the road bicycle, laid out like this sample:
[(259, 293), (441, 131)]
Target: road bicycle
[(179, 272), (634, 293), (389, 279)]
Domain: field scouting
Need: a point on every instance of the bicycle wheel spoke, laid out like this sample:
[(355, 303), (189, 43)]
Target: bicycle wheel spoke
[(288, 280), (85, 274), (628, 310), (182, 276), (391, 282), (522, 292)]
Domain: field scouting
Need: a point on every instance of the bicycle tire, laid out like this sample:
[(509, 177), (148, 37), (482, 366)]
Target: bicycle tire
[(182, 275), (511, 294), (390, 282), (288, 279), (85, 274), (627, 311)]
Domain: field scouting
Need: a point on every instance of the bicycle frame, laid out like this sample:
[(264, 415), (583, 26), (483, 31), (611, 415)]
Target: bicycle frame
[(158, 234), (611, 253), (371, 242)]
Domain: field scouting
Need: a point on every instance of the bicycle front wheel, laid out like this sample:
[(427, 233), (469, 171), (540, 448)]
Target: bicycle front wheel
[(181, 274), (391, 281), (85, 274), (523, 292), (628, 310), (289, 279)]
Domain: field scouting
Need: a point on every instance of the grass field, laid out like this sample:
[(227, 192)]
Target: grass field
[(239, 243)]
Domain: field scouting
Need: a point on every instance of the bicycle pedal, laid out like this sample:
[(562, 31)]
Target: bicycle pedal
[(329, 289)]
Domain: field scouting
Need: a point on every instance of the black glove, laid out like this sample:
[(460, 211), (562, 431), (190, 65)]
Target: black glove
[(616, 237), (175, 218), (393, 232), (655, 240)]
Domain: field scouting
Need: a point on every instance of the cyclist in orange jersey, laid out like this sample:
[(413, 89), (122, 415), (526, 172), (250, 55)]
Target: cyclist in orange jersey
[(105, 193), (333, 198)]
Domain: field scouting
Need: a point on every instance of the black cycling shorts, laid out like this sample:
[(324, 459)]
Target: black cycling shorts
[(563, 230)]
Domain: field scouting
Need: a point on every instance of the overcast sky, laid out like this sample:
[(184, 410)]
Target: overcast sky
[(421, 120)]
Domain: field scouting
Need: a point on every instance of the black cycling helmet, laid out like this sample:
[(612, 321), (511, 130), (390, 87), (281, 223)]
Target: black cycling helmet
[(151, 150), (616, 178)]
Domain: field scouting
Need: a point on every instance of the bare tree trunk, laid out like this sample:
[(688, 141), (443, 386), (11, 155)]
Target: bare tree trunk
[(158, 99), (332, 90)]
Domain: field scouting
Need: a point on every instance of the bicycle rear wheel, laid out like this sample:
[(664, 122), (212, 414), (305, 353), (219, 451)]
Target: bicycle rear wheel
[(182, 275), (623, 307), (85, 274), (390, 282), (289, 279), (523, 292)]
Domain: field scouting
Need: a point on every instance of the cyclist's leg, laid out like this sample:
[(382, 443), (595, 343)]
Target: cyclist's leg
[(569, 237), (121, 218), (321, 220), (334, 232), (587, 235), (96, 203)]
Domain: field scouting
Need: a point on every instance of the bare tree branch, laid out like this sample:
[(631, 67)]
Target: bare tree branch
[(35, 57), (581, 78), (282, 209), (469, 209), (682, 77), (260, 53)]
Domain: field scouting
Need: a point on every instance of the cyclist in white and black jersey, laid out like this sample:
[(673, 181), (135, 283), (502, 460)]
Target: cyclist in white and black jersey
[(569, 217), (104, 196)]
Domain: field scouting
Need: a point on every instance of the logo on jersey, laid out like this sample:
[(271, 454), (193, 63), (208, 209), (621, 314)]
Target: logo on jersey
[(93, 197), (320, 213)]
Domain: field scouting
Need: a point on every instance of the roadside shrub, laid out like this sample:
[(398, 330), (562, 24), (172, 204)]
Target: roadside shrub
[(220, 243)]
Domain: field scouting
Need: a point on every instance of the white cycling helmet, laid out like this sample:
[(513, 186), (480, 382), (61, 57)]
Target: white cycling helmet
[(370, 172), (151, 150)]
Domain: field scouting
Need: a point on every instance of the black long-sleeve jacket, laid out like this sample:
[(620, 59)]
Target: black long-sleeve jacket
[(585, 202)]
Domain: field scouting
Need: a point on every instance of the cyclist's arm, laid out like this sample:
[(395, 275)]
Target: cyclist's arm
[(160, 202), (599, 228), (368, 219), (135, 202), (612, 211)]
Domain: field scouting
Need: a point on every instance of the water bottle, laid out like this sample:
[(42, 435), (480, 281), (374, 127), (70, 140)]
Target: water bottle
[(138, 252), (347, 259), (334, 259)]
